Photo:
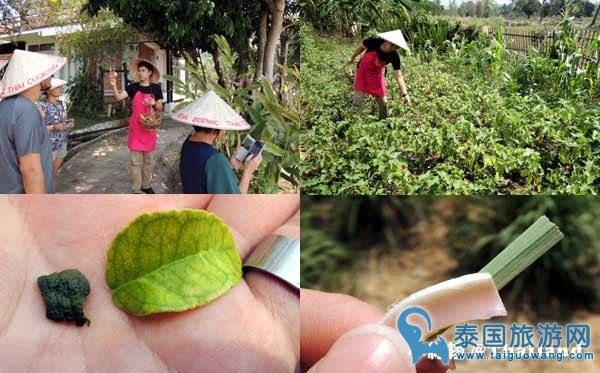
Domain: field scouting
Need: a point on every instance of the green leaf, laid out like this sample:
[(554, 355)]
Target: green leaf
[(172, 261), (522, 252)]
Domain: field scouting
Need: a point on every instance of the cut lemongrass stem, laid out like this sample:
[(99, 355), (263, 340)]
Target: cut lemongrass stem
[(522, 252), (517, 256)]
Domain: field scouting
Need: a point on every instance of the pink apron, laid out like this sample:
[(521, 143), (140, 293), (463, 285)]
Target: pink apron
[(369, 77), (140, 139)]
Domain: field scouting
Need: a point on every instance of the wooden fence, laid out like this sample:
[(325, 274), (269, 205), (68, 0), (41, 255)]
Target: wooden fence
[(519, 40)]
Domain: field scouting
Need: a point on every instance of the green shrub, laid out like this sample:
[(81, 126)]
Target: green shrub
[(83, 95)]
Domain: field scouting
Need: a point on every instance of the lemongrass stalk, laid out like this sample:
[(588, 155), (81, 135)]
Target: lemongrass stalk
[(523, 251)]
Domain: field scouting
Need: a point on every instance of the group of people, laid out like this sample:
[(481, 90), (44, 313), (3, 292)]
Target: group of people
[(34, 131), (203, 169), (26, 151)]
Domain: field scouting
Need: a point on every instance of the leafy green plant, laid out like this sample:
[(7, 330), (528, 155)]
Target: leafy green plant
[(83, 95), (172, 261), (478, 125), (343, 16)]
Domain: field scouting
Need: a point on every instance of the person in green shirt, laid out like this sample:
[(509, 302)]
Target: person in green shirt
[(205, 170)]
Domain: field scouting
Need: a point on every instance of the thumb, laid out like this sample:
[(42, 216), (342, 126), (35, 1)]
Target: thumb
[(369, 348)]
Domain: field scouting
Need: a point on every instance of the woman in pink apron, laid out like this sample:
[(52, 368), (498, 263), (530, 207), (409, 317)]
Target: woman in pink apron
[(370, 76), (141, 142)]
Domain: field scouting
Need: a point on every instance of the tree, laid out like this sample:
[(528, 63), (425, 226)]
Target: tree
[(452, 8), (595, 16), (10, 20), (528, 7), (587, 8), (467, 9), (277, 8), (98, 36), (542, 10), (189, 26)]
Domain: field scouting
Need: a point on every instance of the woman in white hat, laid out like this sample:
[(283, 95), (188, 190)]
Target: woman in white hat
[(141, 142), (54, 112), (25, 151), (203, 169), (370, 75)]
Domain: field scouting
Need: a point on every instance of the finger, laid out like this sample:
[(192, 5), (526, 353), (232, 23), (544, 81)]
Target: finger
[(253, 217), (324, 317), (268, 323), (371, 348), (281, 300)]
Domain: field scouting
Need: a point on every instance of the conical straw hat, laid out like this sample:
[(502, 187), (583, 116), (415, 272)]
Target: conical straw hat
[(211, 111), (26, 69), (395, 37), (133, 70), (55, 83)]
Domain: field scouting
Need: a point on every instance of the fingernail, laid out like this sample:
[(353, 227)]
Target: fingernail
[(368, 349)]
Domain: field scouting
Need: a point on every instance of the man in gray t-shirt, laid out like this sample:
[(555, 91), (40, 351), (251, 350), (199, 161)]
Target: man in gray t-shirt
[(22, 134)]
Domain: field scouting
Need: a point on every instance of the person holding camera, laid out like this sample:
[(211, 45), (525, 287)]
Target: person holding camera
[(203, 169)]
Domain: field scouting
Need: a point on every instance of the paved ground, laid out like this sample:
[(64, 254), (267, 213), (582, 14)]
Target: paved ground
[(103, 167)]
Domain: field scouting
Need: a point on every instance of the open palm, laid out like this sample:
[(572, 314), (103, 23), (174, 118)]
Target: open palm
[(252, 328)]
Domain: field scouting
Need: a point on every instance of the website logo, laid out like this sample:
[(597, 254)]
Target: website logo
[(555, 343), (412, 335)]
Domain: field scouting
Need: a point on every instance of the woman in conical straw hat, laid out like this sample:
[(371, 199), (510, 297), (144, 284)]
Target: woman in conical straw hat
[(370, 76), (203, 168), (141, 141), (54, 113), (25, 150)]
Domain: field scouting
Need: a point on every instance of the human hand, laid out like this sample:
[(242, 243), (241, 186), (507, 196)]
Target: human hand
[(60, 127), (252, 328), (407, 100), (252, 162), (112, 80), (342, 334), (235, 163)]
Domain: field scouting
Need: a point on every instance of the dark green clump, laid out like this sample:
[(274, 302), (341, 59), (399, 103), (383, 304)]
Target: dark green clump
[(64, 294)]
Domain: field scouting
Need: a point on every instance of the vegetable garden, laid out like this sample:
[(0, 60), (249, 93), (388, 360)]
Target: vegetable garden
[(481, 121)]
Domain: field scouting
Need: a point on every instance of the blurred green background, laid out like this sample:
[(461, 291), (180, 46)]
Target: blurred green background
[(377, 248)]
